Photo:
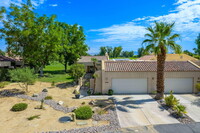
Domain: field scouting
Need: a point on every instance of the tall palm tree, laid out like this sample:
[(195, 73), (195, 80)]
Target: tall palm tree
[(159, 40)]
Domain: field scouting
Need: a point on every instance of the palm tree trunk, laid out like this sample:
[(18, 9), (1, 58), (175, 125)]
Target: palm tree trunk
[(160, 74)]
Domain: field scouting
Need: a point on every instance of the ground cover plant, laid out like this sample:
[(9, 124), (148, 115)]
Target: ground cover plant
[(84, 112), (19, 107)]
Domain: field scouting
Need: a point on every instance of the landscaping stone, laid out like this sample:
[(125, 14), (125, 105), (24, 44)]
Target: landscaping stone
[(81, 123), (94, 122), (45, 90), (35, 95), (65, 119), (91, 102), (60, 103)]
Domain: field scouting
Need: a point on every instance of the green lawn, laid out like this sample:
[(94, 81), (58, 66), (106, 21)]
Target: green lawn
[(55, 72)]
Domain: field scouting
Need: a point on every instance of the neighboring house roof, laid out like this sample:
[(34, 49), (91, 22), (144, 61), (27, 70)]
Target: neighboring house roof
[(170, 57), (149, 66), (4, 58), (197, 62), (88, 58)]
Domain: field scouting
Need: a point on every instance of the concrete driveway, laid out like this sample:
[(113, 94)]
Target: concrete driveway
[(192, 104), (141, 110)]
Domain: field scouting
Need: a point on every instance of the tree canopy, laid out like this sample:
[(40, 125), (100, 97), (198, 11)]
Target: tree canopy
[(38, 40)]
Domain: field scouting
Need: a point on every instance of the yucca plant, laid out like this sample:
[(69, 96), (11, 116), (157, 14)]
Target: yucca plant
[(180, 109), (171, 100)]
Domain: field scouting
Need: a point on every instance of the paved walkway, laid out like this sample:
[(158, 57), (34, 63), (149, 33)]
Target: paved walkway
[(166, 128), (192, 104), (141, 110)]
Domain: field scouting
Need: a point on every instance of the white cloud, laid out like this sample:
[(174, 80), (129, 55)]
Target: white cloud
[(6, 3), (123, 32), (186, 15), (54, 5)]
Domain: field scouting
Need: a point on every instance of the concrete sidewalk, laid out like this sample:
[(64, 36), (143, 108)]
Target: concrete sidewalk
[(167, 128), (192, 104), (141, 110)]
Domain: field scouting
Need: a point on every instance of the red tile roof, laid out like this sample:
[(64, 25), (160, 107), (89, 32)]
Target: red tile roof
[(149, 66)]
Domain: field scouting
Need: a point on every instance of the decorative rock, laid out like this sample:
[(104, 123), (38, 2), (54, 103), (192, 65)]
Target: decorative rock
[(60, 103), (94, 122), (91, 102), (35, 95), (81, 123), (65, 119), (45, 90)]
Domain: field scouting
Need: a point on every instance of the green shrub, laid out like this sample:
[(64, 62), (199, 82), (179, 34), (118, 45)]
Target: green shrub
[(33, 117), (48, 98), (53, 83), (4, 74), (98, 93), (89, 92), (180, 109), (3, 84), (198, 87), (87, 84), (110, 92), (84, 112), (171, 100), (19, 107)]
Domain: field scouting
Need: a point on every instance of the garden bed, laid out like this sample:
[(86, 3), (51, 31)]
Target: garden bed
[(183, 119)]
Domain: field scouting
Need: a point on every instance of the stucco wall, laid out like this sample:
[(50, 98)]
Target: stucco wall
[(107, 77), (5, 63)]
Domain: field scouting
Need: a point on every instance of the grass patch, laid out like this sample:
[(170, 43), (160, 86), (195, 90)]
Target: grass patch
[(33, 117), (55, 72)]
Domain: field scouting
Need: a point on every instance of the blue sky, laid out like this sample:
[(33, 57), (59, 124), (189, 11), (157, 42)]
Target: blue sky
[(122, 22)]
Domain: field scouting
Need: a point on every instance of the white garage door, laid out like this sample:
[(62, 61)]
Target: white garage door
[(128, 86), (179, 85)]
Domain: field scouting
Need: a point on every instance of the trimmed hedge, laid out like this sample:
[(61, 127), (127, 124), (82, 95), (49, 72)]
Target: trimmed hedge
[(19, 107), (84, 112)]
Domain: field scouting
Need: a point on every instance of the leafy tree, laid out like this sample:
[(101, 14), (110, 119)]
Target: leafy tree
[(77, 71), (34, 38), (159, 39), (197, 41), (107, 49), (2, 53), (117, 51), (142, 52), (72, 44), (103, 51), (24, 75), (127, 54), (188, 52)]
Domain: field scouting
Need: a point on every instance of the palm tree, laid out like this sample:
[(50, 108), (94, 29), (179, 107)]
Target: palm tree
[(159, 39)]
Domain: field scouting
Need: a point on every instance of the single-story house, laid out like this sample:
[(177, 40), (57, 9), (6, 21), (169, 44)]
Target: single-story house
[(8, 62), (170, 57), (126, 77), (89, 66)]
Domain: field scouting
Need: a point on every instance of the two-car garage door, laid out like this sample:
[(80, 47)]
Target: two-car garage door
[(139, 85)]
